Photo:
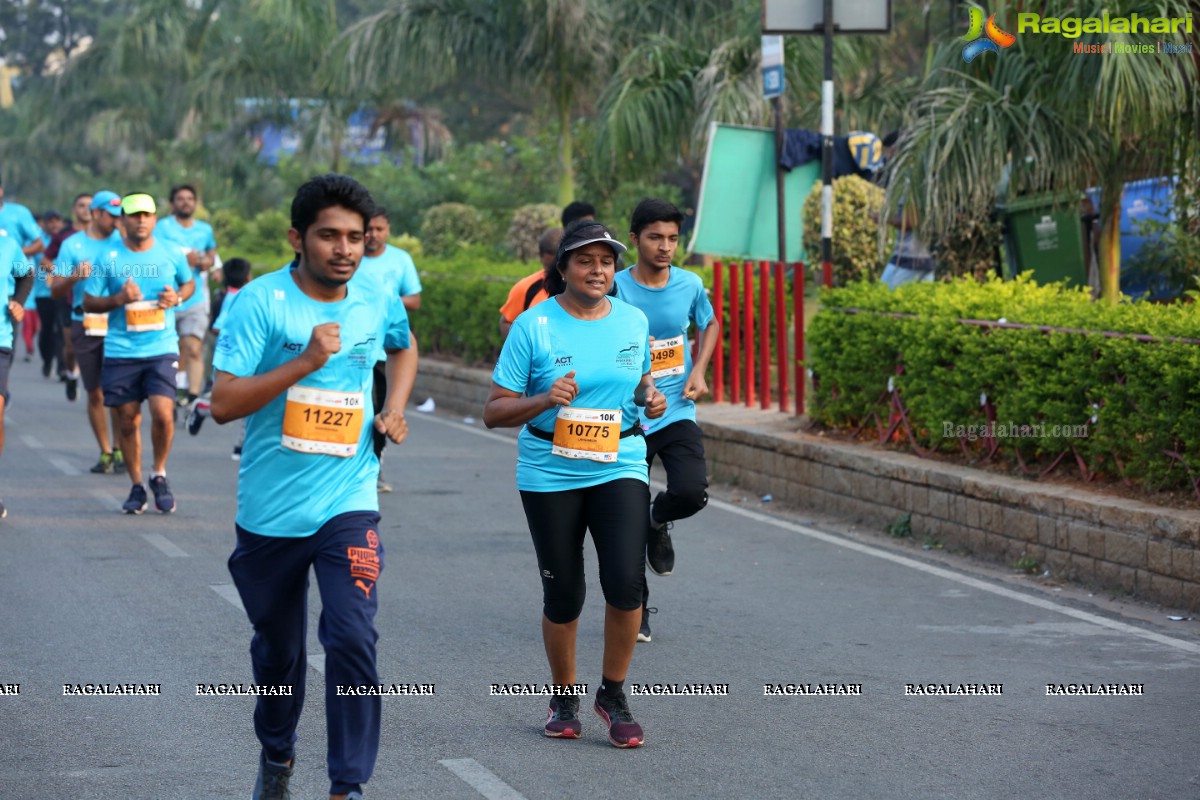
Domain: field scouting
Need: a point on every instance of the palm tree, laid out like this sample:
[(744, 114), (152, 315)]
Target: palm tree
[(557, 52), (1061, 120)]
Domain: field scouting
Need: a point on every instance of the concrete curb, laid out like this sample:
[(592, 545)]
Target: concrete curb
[(1114, 543)]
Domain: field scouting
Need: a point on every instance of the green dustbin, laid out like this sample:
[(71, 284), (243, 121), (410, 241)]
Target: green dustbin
[(1043, 233)]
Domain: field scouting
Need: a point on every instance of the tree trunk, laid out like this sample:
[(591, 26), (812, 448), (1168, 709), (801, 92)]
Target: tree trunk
[(1110, 242), (566, 152)]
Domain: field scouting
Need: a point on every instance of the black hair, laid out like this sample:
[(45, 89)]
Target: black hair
[(891, 138), (650, 211), (575, 211), (326, 191), (183, 187), (80, 196), (236, 272), (380, 211), (51, 214), (555, 283)]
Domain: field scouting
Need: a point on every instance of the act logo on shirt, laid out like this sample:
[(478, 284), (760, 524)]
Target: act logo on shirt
[(563, 361)]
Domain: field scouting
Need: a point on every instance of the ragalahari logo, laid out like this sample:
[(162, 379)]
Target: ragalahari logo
[(983, 38)]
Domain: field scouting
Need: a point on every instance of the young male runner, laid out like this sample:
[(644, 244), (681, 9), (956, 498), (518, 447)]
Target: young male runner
[(81, 217), (396, 269), (81, 255), (191, 318), (672, 299), (297, 358), (16, 282), (147, 281)]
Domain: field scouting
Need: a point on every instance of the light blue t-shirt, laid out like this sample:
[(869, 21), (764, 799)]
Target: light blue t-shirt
[(41, 280), (395, 267), (20, 224), (75, 250), (199, 237), (609, 357), (153, 270), (12, 266), (284, 491), (670, 311)]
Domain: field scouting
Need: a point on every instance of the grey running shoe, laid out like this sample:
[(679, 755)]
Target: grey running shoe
[(562, 720), (164, 501), (382, 486), (660, 553), (622, 730), (644, 631), (3, 510), (136, 503), (272, 782), (105, 465)]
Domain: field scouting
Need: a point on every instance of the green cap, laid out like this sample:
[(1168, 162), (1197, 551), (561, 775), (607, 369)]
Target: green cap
[(139, 204)]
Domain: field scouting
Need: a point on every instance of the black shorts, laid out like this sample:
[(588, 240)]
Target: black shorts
[(132, 380), (89, 354), (6, 360)]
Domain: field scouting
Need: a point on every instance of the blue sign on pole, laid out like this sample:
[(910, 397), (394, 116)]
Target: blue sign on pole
[(773, 81)]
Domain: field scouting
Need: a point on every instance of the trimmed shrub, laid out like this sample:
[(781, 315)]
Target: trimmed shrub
[(448, 226), (856, 245), (1111, 404), (527, 226)]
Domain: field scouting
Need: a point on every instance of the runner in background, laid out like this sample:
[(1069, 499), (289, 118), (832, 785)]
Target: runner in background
[(16, 283), (192, 318), (572, 374), (672, 300), (50, 332), (236, 273), (29, 327), (297, 358), (530, 290), (81, 216), (86, 253), (148, 280), (395, 268)]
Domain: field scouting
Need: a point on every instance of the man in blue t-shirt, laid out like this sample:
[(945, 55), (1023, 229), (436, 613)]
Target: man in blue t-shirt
[(16, 283), (297, 358), (191, 319), (142, 283), (672, 300), (395, 268), (80, 255)]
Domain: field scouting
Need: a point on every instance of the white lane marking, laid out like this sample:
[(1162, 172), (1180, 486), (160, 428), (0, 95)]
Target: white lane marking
[(64, 466), (965, 580), (107, 500), (169, 548), (230, 593), (481, 779), (28, 439)]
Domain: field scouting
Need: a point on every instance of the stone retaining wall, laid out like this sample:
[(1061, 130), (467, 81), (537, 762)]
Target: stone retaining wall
[(1109, 542)]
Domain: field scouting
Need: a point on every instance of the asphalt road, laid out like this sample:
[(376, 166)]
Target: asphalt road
[(92, 596)]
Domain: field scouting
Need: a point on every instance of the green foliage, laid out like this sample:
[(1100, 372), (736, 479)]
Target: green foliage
[(261, 239), (901, 527), (856, 244), (409, 244), (968, 248), (448, 226), (1115, 405), (528, 224), (460, 304)]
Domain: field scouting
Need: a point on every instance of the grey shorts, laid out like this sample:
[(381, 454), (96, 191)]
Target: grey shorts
[(89, 354), (193, 321)]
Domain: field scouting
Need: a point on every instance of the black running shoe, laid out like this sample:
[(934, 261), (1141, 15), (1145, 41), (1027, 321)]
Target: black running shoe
[(118, 461), (272, 781), (196, 416), (164, 501), (46, 369), (72, 388), (105, 465), (562, 720), (3, 510), (644, 631), (622, 730), (136, 503), (660, 553)]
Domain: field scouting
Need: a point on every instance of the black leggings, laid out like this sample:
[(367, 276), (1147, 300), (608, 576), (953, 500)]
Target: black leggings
[(378, 395), (50, 335), (617, 514)]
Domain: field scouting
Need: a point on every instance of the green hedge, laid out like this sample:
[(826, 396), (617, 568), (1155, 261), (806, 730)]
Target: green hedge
[(1139, 400)]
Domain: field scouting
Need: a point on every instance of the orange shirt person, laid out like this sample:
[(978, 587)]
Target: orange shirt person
[(530, 290)]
